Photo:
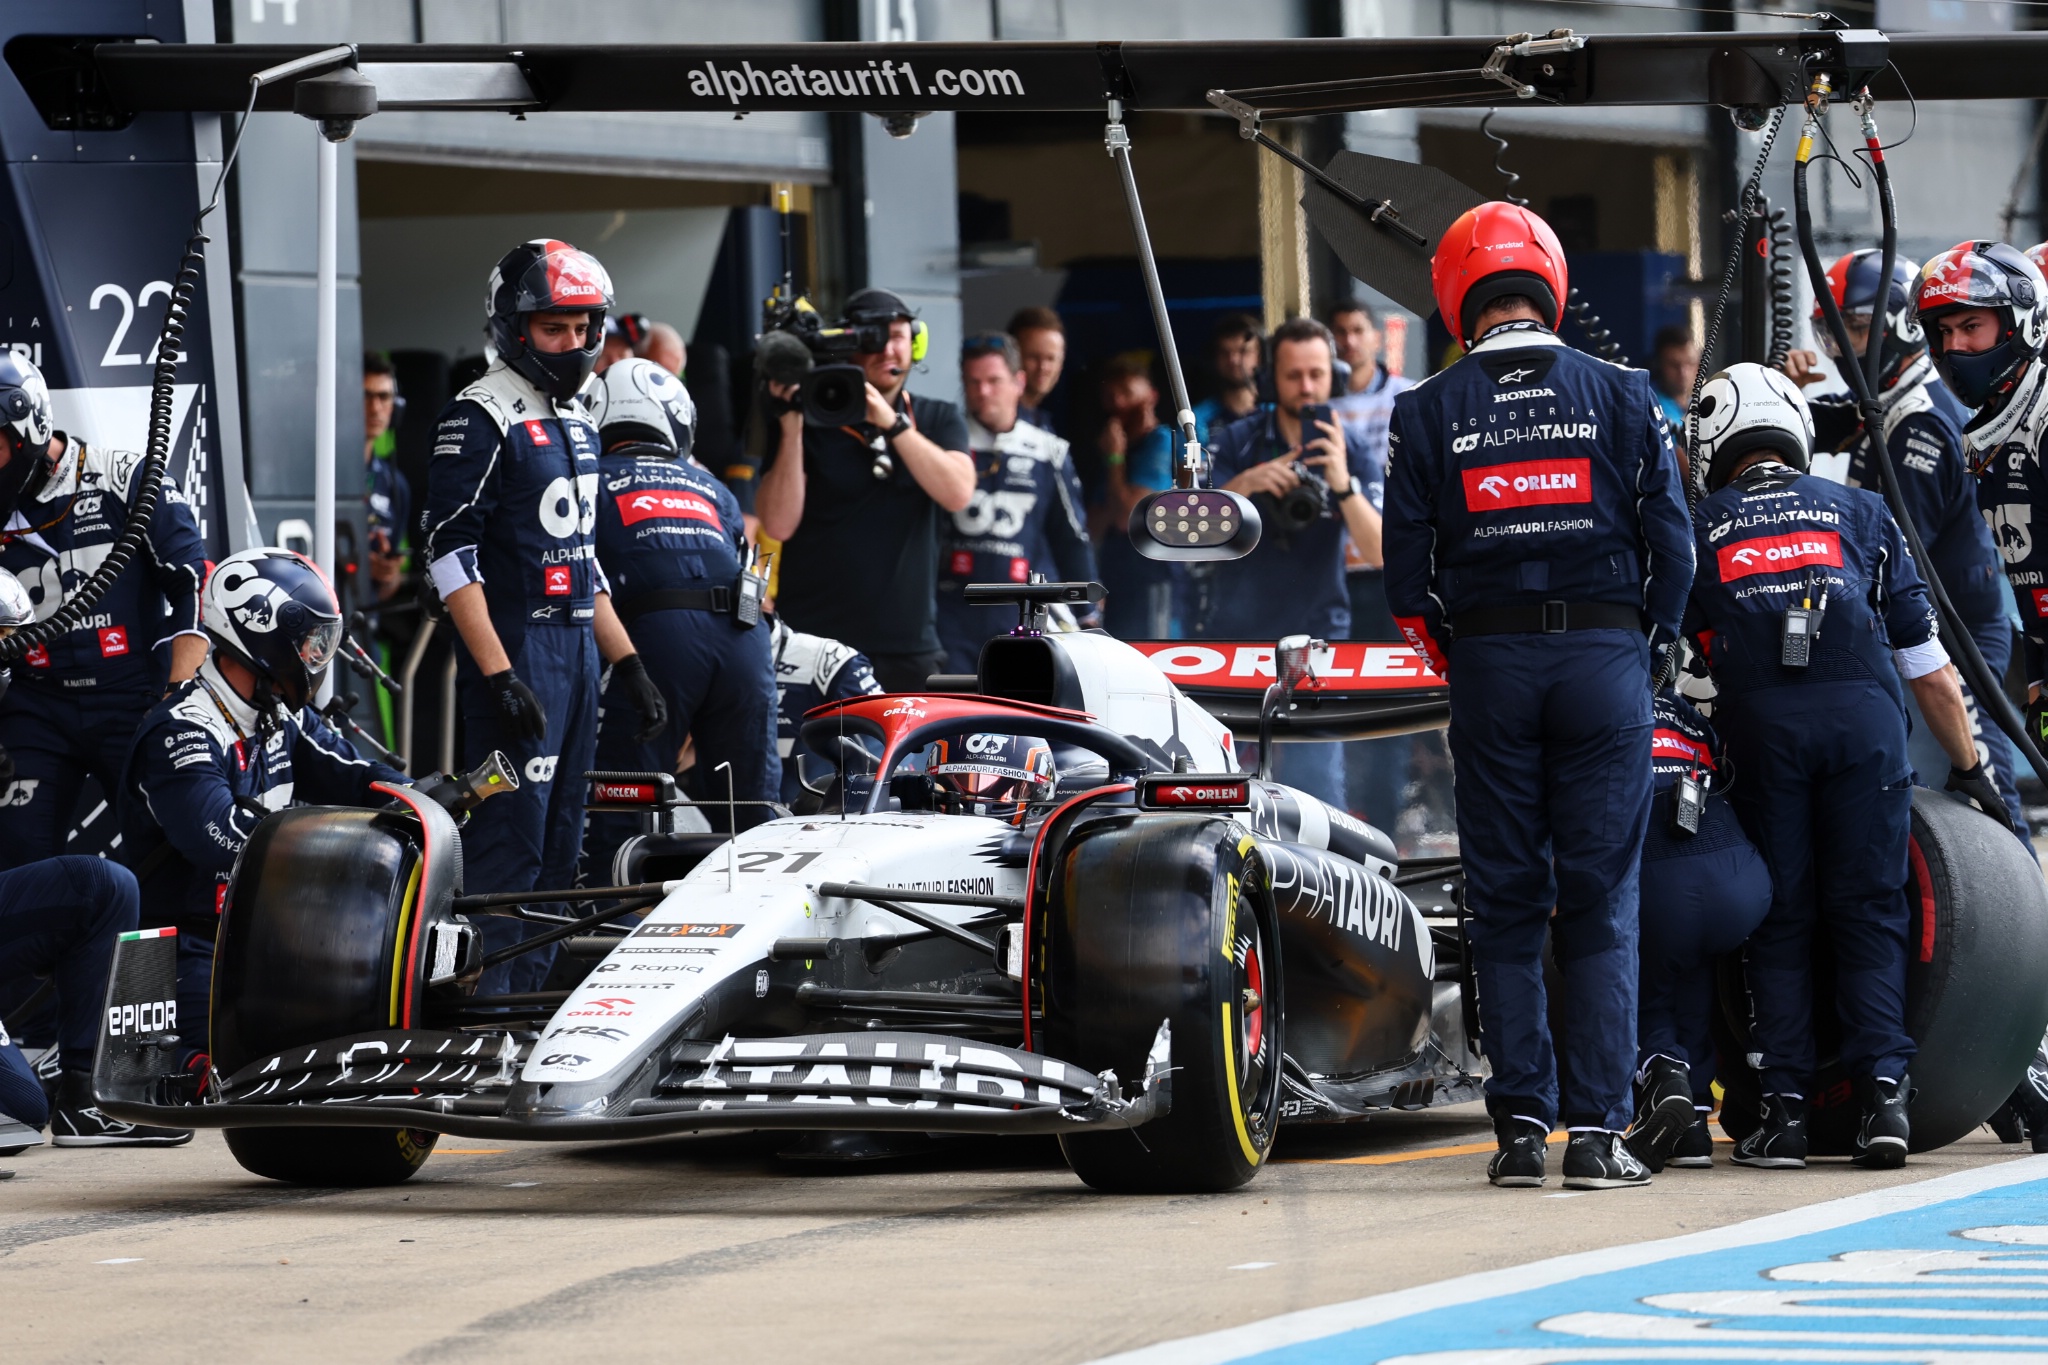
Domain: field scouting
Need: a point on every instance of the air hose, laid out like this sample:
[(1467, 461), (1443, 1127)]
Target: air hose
[(1599, 340), (1864, 380), (1778, 265)]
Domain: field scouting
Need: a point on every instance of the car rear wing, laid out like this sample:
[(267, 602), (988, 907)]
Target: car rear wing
[(1356, 689)]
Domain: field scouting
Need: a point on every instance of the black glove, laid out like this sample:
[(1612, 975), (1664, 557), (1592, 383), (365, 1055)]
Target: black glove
[(630, 675), (2037, 721), (1977, 786), (1836, 422), (518, 705)]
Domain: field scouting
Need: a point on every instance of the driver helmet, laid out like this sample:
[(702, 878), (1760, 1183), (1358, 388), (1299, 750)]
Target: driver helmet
[(1993, 276), (1745, 407), (25, 414), (547, 276), (16, 610), (991, 774), (272, 611), (637, 400), (1853, 282), (1490, 252)]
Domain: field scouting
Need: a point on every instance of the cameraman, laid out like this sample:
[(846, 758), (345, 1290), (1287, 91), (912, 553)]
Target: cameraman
[(860, 559), (1293, 583)]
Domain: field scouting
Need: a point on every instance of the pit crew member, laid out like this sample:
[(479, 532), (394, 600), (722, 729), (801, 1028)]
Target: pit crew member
[(511, 517), (856, 507), (1293, 581), (1705, 888), (229, 746), (1923, 433), (76, 700), (1026, 514), (1537, 547), (811, 670), (673, 545), (1810, 612)]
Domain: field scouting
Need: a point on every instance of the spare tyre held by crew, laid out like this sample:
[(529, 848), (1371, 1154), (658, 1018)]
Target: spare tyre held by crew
[(1923, 425), (856, 507), (1537, 547), (226, 748), (1705, 888), (673, 545), (1809, 613), (511, 548), (77, 699)]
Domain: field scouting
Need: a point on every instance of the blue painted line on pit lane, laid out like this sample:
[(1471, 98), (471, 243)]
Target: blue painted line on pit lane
[(1939, 1272)]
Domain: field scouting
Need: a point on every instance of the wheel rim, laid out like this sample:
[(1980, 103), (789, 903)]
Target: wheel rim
[(1254, 1042)]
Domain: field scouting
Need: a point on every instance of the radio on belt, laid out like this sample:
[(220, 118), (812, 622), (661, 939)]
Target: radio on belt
[(1801, 626), (1688, 803)]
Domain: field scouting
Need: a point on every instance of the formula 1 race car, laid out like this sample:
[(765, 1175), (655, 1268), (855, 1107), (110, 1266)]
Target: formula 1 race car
[(1152, 939)]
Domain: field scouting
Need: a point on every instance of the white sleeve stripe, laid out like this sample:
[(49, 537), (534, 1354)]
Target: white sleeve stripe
[(455, 570), (1917, 661)]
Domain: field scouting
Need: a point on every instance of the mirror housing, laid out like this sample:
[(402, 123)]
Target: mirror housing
[(1195, 525)]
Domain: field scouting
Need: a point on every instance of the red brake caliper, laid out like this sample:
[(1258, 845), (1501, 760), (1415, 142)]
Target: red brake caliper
[(1255, 1017)]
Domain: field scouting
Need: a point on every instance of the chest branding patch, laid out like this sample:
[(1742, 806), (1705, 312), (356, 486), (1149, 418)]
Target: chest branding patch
[(1527, 483), (667, 503), (1778, 554)]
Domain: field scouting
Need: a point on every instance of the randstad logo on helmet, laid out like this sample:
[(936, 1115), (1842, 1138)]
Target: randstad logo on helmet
[(1527, 484), (1778, 554)]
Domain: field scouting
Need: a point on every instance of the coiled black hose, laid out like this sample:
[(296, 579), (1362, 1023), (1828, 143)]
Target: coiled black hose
[(1784, 294), (1599, 340)]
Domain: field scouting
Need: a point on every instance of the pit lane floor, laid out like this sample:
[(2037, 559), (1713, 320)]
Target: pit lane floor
[(714, 1249)]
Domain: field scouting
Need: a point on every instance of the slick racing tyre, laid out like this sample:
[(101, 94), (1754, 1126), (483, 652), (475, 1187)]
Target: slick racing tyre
[(317, 942), (1976, 1000), (1169, 919)]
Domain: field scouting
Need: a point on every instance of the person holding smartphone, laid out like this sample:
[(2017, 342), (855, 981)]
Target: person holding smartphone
[(1314, 483)]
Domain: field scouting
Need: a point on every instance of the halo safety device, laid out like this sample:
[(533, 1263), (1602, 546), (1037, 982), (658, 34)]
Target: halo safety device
[(637, 400), (1852, 279), (1490, 252), (547, 276), (2000, 279), (272, 611), (1747, 407), (991, 774)]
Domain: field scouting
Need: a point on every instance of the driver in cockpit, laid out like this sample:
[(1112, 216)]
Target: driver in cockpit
[(991, 774)]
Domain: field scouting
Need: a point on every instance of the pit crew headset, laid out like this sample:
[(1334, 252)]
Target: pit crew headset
[(879, 305), (273, 613), (1491, 252), (638, 401), (25, 415), (546, 276), (1853, 281)]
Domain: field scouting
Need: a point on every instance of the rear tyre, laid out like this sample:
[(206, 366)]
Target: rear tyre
[(1169, 920), (320, 940), (1976, 1003)]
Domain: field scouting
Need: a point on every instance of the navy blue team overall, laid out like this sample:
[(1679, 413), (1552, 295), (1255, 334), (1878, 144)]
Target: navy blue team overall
[(512, 504), (205, 770), (811, 670), (1535, 531), (1924, 427), (59, 919), (1026, 516), (1703, 893), (1826, 784), (75, 702), (668, 532)]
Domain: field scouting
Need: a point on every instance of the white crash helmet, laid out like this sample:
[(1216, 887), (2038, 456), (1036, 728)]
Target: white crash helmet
[(16, 610), (24, 401), (637, 400), (1745, 407), (273, 611)]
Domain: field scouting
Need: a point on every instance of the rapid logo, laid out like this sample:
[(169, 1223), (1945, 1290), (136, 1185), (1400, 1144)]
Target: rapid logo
[(1528, 483), (1778, 554), (687, 930)]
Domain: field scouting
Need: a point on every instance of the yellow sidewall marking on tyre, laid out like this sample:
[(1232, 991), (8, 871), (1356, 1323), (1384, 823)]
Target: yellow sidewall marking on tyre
[(407, 909), (1244, 1137), (1230, 918)]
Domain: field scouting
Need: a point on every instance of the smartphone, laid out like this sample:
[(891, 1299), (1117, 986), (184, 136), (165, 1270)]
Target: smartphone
[(1311, 414)]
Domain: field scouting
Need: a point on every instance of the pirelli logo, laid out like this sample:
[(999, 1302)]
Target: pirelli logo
[(1527, 483), (1778, 554)]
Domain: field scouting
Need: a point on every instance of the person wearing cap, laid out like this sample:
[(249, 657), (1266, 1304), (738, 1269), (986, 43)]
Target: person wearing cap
[(857, 507), (1538, 553), (511, 514)]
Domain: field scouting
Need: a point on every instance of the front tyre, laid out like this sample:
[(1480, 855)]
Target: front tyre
[(344, 1157), (1168, 918)]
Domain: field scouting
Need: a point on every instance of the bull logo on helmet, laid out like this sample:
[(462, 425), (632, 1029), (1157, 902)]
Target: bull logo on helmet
[(251, 600)]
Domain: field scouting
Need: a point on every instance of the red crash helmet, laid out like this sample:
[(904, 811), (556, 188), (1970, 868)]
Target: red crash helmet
[(2002, 281), (1492, 251), (547, 276)]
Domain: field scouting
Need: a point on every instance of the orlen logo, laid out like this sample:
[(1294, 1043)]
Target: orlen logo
[(1778, 554), (113, 641), (607, 1006), (555, 580), (1672, 744), (537, 432), (2040, 604), (637, 793), (666, 503), (1528, 483)]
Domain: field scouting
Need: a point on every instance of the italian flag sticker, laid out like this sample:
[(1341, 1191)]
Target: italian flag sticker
[(136, 935)]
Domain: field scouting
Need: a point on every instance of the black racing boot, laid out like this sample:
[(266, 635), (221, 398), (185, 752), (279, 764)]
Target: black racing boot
[(2029, 1102), (1663, 1111), (1695, 1149), (1599, 1160), (1779, 1142), (1881, 1141), (78, 1122), (1518, 1165)]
